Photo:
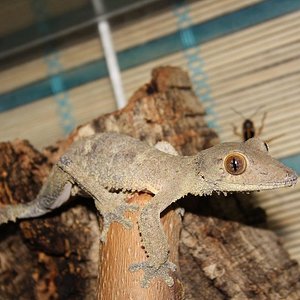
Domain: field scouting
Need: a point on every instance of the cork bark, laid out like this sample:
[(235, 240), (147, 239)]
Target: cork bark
[(59, 256)]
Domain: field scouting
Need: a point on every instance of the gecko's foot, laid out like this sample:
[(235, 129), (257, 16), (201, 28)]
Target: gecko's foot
[(117, 216), (153, 272)]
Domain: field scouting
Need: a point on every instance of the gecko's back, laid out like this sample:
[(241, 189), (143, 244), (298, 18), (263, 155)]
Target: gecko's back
[(118, 161)]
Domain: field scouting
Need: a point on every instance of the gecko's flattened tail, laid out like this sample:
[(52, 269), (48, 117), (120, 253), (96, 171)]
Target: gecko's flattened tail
[(20, 211), (54, 193), (10, 212)]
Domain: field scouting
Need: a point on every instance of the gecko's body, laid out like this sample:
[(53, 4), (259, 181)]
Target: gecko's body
[(109, 165)]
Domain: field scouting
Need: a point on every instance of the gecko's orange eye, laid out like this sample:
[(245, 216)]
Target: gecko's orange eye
[(235, 163)]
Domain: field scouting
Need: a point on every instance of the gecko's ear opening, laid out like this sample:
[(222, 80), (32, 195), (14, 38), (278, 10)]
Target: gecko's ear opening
[(257, 144)]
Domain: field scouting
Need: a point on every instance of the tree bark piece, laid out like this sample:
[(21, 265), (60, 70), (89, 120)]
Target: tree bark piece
[(227, 260), (62, 250), (22, 171)]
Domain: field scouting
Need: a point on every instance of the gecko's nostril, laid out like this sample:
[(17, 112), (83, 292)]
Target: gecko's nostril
[(291, 177)]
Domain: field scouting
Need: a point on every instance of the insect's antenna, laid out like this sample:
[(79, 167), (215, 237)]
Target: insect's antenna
[(239, 113), (256, 111)]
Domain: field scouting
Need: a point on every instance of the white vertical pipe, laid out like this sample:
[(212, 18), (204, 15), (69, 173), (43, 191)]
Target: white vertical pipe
[(110, 55)]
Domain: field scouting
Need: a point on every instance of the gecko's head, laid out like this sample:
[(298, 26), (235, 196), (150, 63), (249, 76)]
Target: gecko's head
[(243, 166)]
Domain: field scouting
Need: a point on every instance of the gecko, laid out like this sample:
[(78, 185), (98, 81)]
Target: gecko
[(108, 166)]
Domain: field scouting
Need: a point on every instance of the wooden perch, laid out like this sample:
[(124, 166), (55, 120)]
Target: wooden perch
[(62, 253), (123, 248)]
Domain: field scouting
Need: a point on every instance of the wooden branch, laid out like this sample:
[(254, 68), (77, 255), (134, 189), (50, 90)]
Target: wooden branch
[(123, 248), (62, 258)]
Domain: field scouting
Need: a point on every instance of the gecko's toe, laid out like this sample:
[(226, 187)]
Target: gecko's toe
[(171, 266), (109, 218), (129, 207), (117, 216), (125, 222), (152, 272)]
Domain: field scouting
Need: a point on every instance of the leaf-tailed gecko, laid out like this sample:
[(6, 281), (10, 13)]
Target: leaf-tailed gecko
[(107, 166)]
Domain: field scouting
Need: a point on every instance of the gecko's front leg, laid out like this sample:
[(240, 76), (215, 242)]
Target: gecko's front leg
[(112, 207), (155, 241)]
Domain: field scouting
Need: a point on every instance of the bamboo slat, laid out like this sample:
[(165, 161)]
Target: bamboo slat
[(92, 100), (37, 122), (165, 22), (16, 75), (150, 27), (201, 11), (244, 38), (69, 55), (259, 60), (80, 50), (269, 90), (40, 123), (246, 80), (83, 50)]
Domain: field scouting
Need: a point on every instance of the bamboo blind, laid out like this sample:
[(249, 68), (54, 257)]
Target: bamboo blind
[(164, 22), (71, 53), (83, 49), (39, 121)]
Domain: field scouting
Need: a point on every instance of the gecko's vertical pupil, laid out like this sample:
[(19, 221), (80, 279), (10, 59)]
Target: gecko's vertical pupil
[(266, 146), (235, 163)]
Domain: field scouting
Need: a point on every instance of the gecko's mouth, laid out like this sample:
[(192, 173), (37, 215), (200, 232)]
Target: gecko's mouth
[(245, 188), (284, 183), (292, 180)]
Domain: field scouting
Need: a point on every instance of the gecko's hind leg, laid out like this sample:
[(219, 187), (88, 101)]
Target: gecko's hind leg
[(112, 207), (54, 193)]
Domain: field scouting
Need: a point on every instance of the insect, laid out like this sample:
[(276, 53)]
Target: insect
[(248, 128)]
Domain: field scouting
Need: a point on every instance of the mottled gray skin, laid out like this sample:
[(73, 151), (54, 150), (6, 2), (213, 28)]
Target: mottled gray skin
[(109, 165)]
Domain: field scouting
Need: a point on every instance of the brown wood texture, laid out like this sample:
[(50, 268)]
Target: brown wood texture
[(123, 248), (227, 260), (61, 250)]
